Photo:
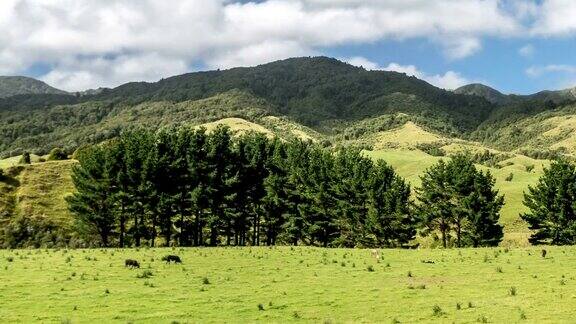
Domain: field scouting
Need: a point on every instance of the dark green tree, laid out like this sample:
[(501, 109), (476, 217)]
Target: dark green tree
[(25, 159), (552, 205), (92, 202), (219, 156), (459, 201), (352, 176), (391, 223)]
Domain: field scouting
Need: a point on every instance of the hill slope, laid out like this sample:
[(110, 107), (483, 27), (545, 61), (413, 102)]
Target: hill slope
[(18, 85)]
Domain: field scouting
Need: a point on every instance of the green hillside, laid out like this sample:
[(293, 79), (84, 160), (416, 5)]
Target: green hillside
[(41, 188), (32, 205), (18, 85), (405, 121)]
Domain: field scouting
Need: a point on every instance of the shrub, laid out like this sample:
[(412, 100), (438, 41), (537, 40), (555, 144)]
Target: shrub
[(57, 154), (205, 281), (510, 177), (370, 268), (25, 159), (260, 307), (512, 291), (437, 311), (145, 274)]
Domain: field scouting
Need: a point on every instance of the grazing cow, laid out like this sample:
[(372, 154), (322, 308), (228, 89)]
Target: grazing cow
[(544, 253), (375, 254), (172, 258), (131, 263)]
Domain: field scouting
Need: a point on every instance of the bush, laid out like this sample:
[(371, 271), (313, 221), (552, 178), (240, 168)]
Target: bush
[(57, 154), (437, 311), (25, 159), (145, 274), (510, 177)]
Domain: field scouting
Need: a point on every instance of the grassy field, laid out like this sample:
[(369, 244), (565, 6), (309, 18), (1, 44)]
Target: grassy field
[(288, 284)]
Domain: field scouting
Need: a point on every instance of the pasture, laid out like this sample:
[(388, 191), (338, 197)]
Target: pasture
[(281, 284)]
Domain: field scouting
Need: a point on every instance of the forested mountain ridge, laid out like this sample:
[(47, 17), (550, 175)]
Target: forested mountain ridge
[(336, 100), (19, 85)]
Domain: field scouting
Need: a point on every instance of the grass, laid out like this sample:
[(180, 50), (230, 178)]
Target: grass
[(238, 126), (15, 160), (42, 189), (406, 136), (273, 285)]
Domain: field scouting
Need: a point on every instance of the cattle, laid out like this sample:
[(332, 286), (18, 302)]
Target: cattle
[(131, 263), (172, 258), (375, 254), (544, 252)]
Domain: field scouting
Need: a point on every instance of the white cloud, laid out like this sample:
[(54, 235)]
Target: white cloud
[(459, 48), (449, 80), (75, 74), (363, 62), (555, 18), (527, 50), (537, 71), (95, 35), (564, 76)]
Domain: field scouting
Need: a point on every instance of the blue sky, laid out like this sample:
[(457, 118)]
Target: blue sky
[(501, 63), (516, 46)]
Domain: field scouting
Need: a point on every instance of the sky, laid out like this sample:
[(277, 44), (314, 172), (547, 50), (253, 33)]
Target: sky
[(515, 46)]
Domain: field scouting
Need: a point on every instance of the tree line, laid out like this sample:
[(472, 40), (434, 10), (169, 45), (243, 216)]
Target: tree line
[(188, 187)]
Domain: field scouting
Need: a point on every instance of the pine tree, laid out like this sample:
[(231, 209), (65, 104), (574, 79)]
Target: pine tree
[(552, 206), (137, 147), (198, 178), (218, 185), (391, 223), (92, 202), (352, 175), (458, 200)]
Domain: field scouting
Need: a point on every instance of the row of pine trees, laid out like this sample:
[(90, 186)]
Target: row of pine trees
[(190, 187)]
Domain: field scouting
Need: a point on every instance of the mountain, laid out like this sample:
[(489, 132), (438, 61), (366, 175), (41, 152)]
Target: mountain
[(480, 90), (19, 85), (556, 96), (317, 90), (319, 97), (496, 97)]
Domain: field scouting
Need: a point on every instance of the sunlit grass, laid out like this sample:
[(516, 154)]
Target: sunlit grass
[(288, 284)]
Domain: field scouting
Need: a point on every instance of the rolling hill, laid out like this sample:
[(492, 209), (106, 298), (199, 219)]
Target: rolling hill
[(18, 85), (405, 121)]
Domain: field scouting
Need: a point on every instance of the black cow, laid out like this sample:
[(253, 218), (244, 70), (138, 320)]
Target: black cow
[(172, 258), (544, 253), (131, 263)]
